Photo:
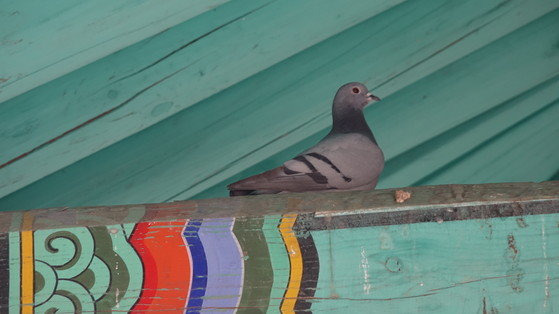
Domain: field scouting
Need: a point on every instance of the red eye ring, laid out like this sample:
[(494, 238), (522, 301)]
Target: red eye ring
[(355, 90)]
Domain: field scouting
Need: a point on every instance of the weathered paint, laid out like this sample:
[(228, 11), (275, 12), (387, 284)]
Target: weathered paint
[(256, 255), (27, 266), (225, 264), (278, 259), (41, 43), (443, 69), (496, 254), (152, 242), (198, 263)]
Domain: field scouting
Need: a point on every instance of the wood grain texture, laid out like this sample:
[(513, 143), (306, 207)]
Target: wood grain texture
[(39, 44), (429, 157), (476, 266), (524, 148), (104, 135)]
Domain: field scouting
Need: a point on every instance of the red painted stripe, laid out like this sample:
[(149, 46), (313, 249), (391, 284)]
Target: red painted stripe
[(167, 266)]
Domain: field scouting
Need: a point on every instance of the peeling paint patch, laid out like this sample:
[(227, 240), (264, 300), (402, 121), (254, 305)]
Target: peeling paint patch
[(488, 226), (547, 279), (521, 222), (365, 267), (515, 274)]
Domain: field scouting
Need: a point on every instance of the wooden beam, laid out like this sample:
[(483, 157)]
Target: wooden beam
[(429, 198), (488, 247)]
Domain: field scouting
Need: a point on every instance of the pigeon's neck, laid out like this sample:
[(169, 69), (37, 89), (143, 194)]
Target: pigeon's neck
[(349, 120)]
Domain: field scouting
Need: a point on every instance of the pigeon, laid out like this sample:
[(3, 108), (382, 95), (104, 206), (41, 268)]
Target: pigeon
[(348, 158)]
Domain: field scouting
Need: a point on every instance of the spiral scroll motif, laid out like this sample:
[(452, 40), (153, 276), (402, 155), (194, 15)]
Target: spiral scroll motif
[(85, 269)]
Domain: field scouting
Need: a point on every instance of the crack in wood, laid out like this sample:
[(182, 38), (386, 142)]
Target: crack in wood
[(193, 41), (97, 117)]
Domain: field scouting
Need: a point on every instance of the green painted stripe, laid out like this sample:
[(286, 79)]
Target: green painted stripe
[(15, 272), (279, 261), (259, 276)]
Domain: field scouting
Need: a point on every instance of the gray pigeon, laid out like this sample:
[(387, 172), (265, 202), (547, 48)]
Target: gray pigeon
[(348, 158)]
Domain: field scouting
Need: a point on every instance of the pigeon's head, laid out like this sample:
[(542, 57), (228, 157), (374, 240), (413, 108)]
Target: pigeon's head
[(353, 95)]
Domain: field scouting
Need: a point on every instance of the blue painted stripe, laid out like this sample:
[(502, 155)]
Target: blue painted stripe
[(199, 266), (225, 265)]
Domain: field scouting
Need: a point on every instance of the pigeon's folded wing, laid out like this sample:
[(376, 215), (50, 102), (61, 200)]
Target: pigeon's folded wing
[(282, 179)]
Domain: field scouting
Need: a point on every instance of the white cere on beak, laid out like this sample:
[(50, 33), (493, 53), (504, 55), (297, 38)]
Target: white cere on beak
[(372, 97)]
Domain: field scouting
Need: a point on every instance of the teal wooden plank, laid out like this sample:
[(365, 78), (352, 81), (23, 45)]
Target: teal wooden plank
[(489, 266), (529, 149), (172, 165), (40, 44), (64, 96), (14, 284), (415, 164), (115, 108)]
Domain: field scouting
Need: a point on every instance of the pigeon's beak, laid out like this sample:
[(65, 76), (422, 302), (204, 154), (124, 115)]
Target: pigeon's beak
[(372, 97)]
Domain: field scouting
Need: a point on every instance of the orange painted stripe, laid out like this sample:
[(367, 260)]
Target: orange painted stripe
[(167, 270), (295, 261), (27, 267)]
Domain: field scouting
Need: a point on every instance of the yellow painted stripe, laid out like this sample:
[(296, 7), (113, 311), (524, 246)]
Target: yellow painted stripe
[(27, 267), (295, 260)]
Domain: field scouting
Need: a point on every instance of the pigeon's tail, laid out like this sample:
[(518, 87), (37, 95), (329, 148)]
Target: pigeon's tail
[(242, 192), (249, 192)]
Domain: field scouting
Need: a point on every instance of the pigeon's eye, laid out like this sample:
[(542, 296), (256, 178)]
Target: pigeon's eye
[(355, 90)]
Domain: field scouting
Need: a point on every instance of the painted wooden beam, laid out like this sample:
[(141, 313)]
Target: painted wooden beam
[(137, 87), (489, 248), (39, 44), (518, 152), (200, 147)]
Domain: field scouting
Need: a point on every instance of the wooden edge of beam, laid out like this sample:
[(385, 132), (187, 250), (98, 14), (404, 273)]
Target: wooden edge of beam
[(379, 207)]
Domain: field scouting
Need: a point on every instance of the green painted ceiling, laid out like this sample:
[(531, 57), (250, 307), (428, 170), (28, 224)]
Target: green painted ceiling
[(132, 101)]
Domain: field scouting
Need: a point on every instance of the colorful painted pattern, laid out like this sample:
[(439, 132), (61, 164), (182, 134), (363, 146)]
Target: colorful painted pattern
[(182, 265), (74, 270), (270, 264)]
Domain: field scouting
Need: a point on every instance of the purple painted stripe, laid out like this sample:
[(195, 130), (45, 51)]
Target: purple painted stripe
[(225, 264)]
